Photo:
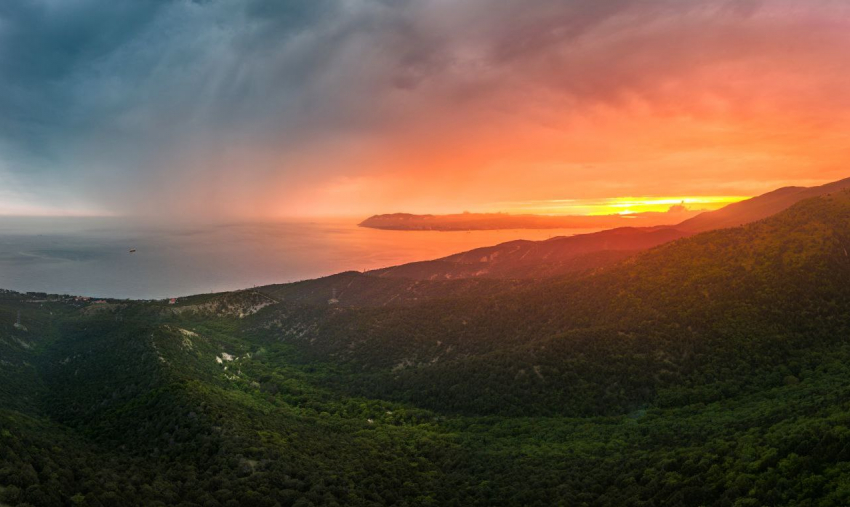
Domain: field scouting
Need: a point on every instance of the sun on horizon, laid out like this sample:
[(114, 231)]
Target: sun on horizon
[(620, 205)]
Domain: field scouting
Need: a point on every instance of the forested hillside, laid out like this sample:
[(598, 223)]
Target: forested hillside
[(363, 290), (742, 300), (711, 370), (583, 252), (759, 207), (537, 259)]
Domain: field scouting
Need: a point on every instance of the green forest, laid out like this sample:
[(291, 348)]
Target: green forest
[(711, 370)]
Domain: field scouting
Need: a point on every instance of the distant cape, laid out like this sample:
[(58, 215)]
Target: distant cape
[(496, 221)]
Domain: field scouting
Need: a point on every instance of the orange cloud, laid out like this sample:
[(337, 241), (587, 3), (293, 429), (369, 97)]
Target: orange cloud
[(442, 106)]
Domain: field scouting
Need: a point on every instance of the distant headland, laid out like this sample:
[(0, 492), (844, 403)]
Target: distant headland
[(496, 221)]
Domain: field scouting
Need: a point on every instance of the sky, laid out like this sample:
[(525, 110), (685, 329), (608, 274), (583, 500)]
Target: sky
[(235, 109)]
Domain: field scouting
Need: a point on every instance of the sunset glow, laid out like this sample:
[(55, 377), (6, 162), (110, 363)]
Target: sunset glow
[(507, 253), (424, 107), (618, 205)]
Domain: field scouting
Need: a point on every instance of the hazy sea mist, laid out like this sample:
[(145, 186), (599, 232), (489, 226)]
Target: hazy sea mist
[(91, 256)]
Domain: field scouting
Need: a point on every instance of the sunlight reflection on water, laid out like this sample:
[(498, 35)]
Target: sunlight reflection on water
[(91, 256)]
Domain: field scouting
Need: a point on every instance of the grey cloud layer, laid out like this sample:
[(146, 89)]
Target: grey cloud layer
[(106, 100)]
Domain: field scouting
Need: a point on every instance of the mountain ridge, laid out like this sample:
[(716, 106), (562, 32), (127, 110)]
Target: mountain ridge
[(710, 370), (758, 207), (594, 250)]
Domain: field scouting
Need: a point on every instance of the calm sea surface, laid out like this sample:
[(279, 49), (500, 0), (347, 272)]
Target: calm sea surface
[(88, 256)]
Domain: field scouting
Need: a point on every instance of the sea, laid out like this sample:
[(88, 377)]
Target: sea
[(93, 257)]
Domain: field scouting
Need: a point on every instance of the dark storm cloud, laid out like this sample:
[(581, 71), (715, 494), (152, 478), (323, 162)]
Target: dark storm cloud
[(45, 48), (97, 93), (124, 103)]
